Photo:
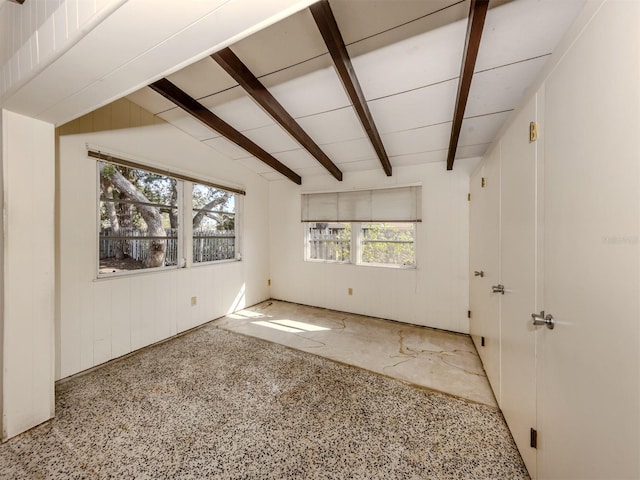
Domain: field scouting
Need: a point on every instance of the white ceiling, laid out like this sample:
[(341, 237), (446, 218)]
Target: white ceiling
[(407, 56)]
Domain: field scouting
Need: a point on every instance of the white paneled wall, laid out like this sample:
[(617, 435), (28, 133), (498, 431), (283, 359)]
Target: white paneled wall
[(101, 319), (27, 310), (435, 294), (33, 33)]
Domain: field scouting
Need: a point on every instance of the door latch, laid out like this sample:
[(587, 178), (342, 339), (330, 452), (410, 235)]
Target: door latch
[(498, 289), (542, 319)]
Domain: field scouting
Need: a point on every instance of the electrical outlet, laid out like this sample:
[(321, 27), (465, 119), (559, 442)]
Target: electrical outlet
[(350, 291), (194, 301)]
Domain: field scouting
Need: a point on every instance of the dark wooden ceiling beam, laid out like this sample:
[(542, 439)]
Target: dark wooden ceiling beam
[(477, 15), (190, 105), (330, 32), (241, 74)]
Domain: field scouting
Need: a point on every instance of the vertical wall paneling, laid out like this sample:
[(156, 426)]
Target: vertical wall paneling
[(28, 273), (435, 294), (102, 319)]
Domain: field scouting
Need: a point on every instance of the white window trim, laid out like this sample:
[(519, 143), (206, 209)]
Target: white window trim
[(355, 257), (185, 229)]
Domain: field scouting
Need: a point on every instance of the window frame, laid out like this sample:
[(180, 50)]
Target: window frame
[(356, 247), (184, 231), (237, 255)]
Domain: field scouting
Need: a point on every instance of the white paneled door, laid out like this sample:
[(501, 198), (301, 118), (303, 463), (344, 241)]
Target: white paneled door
[(484, 261), (589, 382), (518, 254)]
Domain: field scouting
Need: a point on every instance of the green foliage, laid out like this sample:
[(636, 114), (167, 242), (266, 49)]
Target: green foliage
[(388, 243)]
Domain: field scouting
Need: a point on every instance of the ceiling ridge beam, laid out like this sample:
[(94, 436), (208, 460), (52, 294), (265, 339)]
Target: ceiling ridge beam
[(477, 15), (194, 108), (231, 64), (330, 32)]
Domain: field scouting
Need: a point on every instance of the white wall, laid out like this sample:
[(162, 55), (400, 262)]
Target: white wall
[(101, 319), (28, 273), (435, 294)]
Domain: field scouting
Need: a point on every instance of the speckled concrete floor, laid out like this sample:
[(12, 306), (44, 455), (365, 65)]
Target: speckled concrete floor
[(215, 404)]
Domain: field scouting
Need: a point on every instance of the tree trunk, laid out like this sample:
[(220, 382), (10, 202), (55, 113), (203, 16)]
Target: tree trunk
[(150, 215), (107, 189)]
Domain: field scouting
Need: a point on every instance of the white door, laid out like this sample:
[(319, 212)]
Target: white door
[(484, 255), (589, 375), (518, 267)]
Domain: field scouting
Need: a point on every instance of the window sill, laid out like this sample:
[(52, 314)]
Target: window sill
[(335, 262), (216, 262), (374, 265), (149, 271)]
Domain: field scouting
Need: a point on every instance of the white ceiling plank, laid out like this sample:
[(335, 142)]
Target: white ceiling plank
[(425, 139), (272, 138), (227, 148), (237, 109), (524, 29), (502, 88), (417, 108), (291, 41), (296, 159), (360, 165), (481, 129), (151, 101), (202, 78), (359, 20), (418, 54), (309, 88), (419, 158), (350, 151), (185, 122), (471, 151), (331, 127), (257, 166), (308, 171)]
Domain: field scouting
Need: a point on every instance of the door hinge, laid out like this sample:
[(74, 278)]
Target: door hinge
[(482, 341), (483, 182), (468, 197), (533, 131), (533, 438), (468, 313)]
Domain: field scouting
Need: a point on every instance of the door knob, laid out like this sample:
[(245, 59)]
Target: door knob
[(478, 273), (498, 289), (542, 319)]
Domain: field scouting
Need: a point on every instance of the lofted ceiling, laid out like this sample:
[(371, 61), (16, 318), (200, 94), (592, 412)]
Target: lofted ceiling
[(407, 57)]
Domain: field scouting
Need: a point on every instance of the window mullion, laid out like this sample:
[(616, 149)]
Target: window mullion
[(185, 226), (356, 243)]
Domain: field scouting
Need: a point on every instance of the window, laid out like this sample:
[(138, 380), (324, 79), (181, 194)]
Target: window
[(388, 243), (364, 227), (213, 220), (138, 219), (382, 244), (329, 241), (149, 219)]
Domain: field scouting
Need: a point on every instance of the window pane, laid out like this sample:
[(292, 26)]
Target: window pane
[(214, 218), (329, 241), (388, 243), (138, 219)]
